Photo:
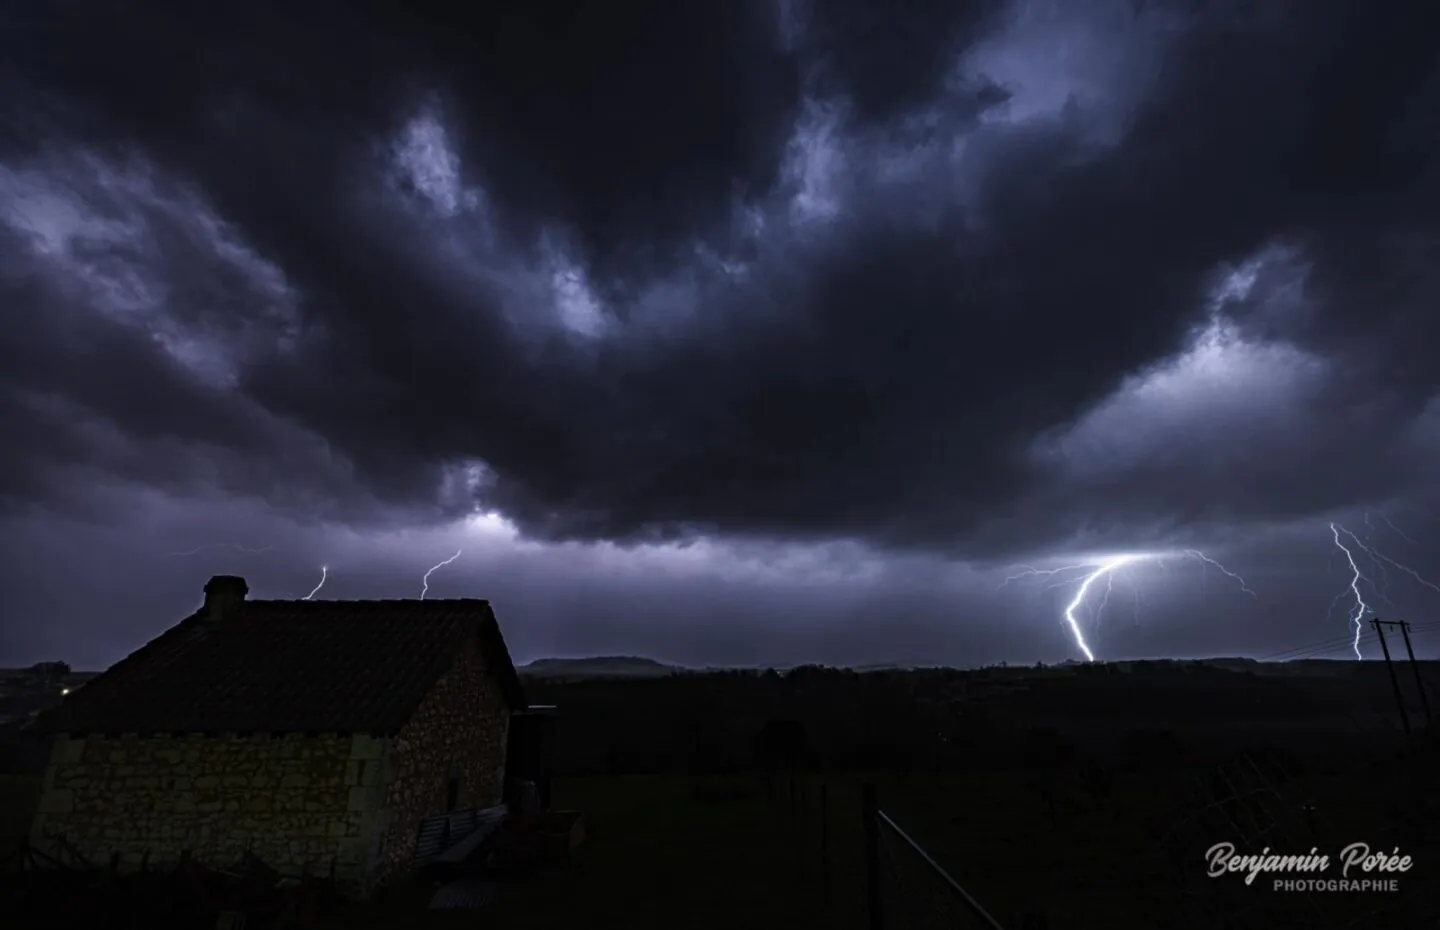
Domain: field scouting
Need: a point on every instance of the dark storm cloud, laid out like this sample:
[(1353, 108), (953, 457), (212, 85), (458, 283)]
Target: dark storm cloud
[(887, 58), (882, 373), (635, 124)]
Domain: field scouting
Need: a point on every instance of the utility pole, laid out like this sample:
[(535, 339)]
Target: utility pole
[(1379, 626), (1419, 679)]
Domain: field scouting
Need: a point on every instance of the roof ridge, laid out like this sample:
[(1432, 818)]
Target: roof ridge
[(291, 666), (369, 600)]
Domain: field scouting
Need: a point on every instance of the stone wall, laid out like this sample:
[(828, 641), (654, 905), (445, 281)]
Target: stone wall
[(460, 728), (295, 801)]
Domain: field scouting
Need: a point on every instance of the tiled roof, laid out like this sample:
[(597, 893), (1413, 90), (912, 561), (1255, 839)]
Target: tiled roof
[(288, 666)]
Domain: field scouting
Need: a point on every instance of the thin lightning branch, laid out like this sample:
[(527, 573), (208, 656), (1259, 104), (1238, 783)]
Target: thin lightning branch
[(1357, 614), (1105, 598), (237, 548), (1029, 572), (324, 572), (1205, 559), (425, 582), (1380, 584), (1397, 531), (1379, 557), (1377, 554)]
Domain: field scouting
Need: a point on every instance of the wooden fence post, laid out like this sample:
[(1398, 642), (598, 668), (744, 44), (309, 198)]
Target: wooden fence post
[(826, 903), (870, 811)]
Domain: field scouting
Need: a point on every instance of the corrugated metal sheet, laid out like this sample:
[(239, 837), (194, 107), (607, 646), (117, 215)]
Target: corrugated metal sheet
[(431, 839), (439, 832), (461, 823)]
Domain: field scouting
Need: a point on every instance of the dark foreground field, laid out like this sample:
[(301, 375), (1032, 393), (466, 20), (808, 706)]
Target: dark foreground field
[(1064, 800), (707, 851)]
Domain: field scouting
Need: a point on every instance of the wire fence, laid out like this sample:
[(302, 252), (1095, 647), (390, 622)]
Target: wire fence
[(906, 889)]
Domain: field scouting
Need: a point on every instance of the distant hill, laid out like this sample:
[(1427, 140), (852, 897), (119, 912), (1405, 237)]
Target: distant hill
[(641, 667), (598, 667)]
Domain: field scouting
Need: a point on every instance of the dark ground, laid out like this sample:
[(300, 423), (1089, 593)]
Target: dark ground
[(1085, 798)]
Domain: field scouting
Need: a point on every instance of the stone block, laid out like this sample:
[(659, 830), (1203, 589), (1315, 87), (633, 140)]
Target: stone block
[(57, 801), (68, 750), (348, 852), (364, 747), (359, 799)]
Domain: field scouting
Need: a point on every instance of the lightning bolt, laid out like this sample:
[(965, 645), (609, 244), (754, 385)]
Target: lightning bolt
[(238, 548), (1357, 614), (1088, 573), (1120, 561), (425, 582), (1380, 560), (324, 572)]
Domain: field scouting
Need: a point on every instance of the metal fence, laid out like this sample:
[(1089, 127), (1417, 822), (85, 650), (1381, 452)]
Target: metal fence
[(906, 889)]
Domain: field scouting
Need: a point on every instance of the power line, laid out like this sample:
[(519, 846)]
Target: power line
[(1331, 645)]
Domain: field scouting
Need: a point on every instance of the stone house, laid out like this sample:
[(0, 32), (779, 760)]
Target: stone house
[(316, 735)]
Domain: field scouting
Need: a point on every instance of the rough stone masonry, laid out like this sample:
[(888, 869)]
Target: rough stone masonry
[(297, 802)]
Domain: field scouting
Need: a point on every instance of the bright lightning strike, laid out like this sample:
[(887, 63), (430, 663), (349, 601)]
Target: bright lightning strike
[(425, 582), (1379, 560), (1105, 569), (1358, 612), (324, 572), (1088, 573)]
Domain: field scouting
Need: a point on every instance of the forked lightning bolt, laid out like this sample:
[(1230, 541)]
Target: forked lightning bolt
[(1105, 570), (323, 573), (425, 582), (1359, 608), (1087, 573)]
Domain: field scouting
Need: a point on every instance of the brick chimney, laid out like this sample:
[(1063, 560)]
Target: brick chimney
[(223, 596)]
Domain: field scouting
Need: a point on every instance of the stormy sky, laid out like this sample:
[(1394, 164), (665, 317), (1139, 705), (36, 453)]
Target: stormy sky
[(726, 331)]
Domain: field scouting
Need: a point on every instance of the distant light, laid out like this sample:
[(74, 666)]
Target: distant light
[(64, 691)]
